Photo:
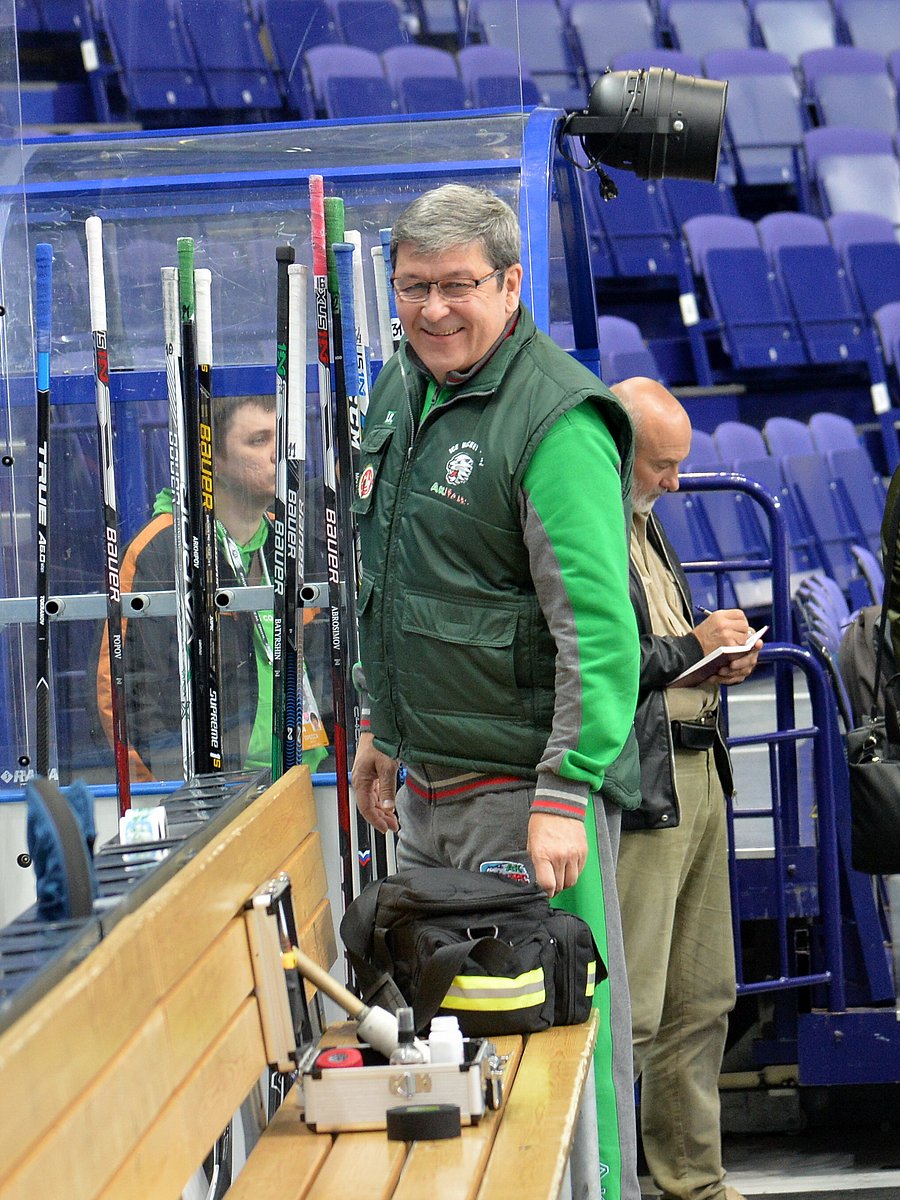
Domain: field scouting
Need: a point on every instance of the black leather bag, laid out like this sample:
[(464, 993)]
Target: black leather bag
[(873, 759), (491, 952), (874, 765)]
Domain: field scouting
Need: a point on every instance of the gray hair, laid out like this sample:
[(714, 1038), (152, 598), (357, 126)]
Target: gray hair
[(458, 215)]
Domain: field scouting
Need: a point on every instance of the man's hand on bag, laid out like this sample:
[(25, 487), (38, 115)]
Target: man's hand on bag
[(374, 783), (558, 848)]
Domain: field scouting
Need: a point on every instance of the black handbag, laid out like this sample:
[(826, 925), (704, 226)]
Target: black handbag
[(491, 952), (873, 761)]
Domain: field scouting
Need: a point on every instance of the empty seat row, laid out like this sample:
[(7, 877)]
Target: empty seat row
[(830, 494), (216, 54)]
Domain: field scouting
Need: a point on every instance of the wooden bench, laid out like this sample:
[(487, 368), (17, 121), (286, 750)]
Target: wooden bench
[(117, 1082)]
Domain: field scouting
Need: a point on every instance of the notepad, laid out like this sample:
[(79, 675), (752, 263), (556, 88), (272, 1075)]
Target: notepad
[(716, 658)]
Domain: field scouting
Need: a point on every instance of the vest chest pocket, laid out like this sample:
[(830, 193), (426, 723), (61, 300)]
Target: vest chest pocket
[(470, 649), (374, 446)]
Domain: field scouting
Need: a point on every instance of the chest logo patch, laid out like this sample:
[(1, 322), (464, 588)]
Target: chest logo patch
[(459, 468), (366, 482)]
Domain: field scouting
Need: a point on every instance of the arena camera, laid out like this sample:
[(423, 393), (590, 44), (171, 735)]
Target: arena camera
[(653, 122)]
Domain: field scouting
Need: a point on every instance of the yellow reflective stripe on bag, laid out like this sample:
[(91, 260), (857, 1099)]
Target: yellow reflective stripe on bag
[(591, 980), (496, 993)]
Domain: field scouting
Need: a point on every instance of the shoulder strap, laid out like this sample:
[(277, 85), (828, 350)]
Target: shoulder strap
[(436, 976)]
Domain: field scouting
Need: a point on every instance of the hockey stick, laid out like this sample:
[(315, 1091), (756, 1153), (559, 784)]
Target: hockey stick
[(296, 493), (93, 229), (284, 567), (348, 435), (382, 304), (180, 523), (43, 256), (333, 555), (361, 320), (396, 327), (201, 511), (356, 381)]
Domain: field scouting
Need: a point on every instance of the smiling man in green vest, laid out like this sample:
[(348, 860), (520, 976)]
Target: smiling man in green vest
[(499, 650)]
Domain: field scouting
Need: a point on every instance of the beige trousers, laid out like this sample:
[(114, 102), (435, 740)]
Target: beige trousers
[(676, 921)]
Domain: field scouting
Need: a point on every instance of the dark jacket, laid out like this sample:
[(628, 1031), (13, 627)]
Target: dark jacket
[(662, 660)]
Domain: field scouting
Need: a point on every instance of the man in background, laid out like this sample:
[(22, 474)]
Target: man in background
[(672, 870), (244, 445)]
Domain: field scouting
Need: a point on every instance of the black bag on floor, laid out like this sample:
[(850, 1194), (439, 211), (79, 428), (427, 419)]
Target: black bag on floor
[(491, 952)]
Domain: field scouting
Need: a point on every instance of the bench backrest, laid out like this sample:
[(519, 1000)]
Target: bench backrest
[(119, 1080)]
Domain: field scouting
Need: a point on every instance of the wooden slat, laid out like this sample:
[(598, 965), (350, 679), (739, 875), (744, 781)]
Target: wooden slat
[(138, 1082), (167, 1155), (305, 867), (361, 1166), (285, 1160), (43, 1068), (535, 1136), (453, 1169)]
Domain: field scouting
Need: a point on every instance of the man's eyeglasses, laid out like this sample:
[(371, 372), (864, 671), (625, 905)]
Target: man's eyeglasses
[(454, 291)]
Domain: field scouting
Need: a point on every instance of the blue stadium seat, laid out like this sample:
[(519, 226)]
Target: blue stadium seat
[(764, 116), (871, 255), (831, 431), (372, 24), (424, 79), (295, 26), (158, 69), (786, 435), (793, 26), (493, 78), (686, 198), (349, 81), (736, 439), (870, 24), (704, 453), (849, 86), (226, 41), (815, 284), (605, 28), (887, 322), (674, 60), (440, 18), (689, 531), (816, 497), (28, 16), (851, 169), (623, 351), (751, 313), (642, 236), (62, 16), (702, 26), (538, 35), (861, 490), (767, 471)]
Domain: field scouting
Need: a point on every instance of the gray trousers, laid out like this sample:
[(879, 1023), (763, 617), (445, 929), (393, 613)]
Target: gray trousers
[(464, 833)]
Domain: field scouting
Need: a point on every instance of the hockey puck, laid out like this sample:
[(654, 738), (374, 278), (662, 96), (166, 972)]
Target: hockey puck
[(338, 1058), (423, 1122)]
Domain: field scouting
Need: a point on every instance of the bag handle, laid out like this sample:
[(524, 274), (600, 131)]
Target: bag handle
[(445, 964), (892, 535)]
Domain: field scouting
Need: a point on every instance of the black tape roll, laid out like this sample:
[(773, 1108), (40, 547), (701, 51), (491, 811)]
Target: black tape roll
[(423, 1122)]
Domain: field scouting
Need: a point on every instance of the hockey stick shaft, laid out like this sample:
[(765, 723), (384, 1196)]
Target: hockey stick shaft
[(43, 303), (284, 566), (93, 228), (382, 304), (332, 547), (198, 458), (296, 500), (348, 435), (180, 524), (355, 376), (396, 327)]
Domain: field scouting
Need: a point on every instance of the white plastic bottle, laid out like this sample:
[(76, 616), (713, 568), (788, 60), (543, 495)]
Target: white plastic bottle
[(445, 1040)]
